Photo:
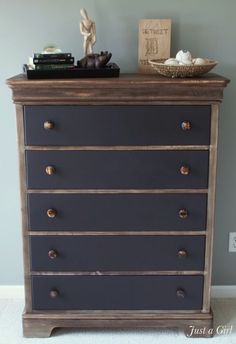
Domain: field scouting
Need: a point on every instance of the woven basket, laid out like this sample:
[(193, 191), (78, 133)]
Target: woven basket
[(182, 71)]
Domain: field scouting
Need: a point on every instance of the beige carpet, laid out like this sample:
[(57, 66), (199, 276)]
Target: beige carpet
[(11, 332)]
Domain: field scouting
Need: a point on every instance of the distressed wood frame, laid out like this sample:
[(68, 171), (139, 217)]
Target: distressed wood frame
[(129, 90)]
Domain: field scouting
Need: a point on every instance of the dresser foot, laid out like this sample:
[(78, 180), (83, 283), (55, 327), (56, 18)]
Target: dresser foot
[(33, 328), (41, 325)]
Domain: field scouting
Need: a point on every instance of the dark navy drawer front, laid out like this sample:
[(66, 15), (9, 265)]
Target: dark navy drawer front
[(117, 292), (117, 253), (117, 169), (117, 125), (120, 212)]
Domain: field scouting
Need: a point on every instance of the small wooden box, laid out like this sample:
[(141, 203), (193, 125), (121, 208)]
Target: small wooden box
[(154, 42)]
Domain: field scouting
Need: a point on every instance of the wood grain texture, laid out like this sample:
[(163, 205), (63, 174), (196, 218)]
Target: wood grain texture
[(119, 191), (133, 80), (96, 233), (211, 207), (116, 148), (114, 314), (41, 325), (128, 89), (118, 273), (24, 217)]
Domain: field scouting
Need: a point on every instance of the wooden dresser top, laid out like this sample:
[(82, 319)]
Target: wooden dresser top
[(127, 88)]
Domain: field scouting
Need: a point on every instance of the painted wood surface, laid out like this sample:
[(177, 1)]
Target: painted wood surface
[(129, 90)]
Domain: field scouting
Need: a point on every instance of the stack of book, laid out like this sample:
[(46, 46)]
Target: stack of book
[(58, 61)]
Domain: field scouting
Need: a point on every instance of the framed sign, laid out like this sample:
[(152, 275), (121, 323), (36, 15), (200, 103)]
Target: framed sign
[(154, 42)]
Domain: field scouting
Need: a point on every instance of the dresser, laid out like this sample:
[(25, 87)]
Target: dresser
[(117, 194)]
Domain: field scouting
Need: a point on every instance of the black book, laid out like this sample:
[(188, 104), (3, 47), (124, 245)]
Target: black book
[(66, 60), (52, 56)]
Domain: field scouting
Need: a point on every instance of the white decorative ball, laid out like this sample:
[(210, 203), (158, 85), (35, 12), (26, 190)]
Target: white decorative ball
[(183, 56), (171, 62), (199, 61), (186, 63)]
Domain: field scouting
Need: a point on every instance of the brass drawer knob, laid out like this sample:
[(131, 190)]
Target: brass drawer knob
[(54, 293), (186, 125), (52, 254), (51, 213), (184, 170), (183, 213), (48, 125), (180, 293), (50, 170), (182, 254)]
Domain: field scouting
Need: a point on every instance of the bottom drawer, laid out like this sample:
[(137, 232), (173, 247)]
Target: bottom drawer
[(117, 292)]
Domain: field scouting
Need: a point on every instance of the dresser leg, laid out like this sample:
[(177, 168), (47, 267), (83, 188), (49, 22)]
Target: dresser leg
[(36, 328)]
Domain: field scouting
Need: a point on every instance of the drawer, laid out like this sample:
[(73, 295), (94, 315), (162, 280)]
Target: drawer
[(117, 125), (118, 212), (117, 292), (117, 253), (117, 169)]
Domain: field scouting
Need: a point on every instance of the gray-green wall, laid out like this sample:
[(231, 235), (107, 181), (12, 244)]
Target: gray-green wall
[(207, 28)]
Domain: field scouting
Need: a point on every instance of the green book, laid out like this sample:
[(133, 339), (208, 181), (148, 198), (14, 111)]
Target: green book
[(53, 66)]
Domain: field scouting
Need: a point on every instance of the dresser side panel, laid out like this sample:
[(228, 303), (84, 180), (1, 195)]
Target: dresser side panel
[(23, 194), (211, 207)]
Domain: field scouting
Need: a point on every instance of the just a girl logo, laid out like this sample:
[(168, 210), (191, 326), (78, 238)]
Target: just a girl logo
[(205, 331)]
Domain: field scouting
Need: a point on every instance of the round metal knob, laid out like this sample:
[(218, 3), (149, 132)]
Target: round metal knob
[(51, 213), (183, 213), (54, 293), (48, 125), (50, 170), (182, 254), (184, 170), (180, 293), (52, 254), (186, 125)]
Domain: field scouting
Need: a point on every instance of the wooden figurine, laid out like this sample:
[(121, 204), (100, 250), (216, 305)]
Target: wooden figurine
[(88, 30)]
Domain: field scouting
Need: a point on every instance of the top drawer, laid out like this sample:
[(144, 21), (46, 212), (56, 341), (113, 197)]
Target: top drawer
[(117, 125)]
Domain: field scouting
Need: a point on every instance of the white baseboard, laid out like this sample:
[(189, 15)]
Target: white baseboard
[(217, 291), (223, 291), (11, 291)]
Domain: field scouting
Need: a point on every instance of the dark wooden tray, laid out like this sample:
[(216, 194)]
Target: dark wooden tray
[(110, 71)]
